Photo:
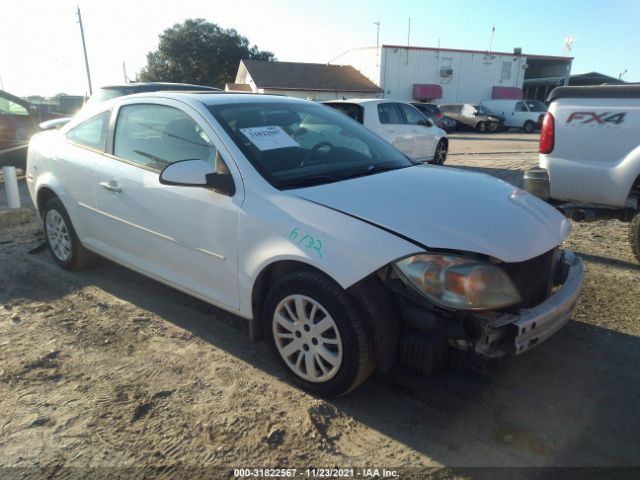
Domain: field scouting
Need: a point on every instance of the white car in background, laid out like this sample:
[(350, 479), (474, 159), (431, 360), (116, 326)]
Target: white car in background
[(400, 124), (524, 114), (342, 252)]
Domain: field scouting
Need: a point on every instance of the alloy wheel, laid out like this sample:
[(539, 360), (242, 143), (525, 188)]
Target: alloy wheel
[(58, 235)]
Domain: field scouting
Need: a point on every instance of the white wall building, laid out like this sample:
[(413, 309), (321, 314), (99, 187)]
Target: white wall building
[(457, 76)]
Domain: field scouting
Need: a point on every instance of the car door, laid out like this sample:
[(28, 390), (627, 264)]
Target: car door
[(520, 114), (184, 236), (424, 139), (76, 154), (17, 123), (392, 127)]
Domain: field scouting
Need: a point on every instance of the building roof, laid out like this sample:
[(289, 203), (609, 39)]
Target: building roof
[(318, 77), (483, 52)]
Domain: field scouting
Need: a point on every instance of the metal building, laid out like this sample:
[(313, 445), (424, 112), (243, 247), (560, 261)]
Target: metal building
[(457, 76), (312, 81)]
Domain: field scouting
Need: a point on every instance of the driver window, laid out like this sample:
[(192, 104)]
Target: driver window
[(153, 136)]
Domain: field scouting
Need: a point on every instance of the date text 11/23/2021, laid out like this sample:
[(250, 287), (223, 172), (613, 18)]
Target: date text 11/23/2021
[(365, 473)]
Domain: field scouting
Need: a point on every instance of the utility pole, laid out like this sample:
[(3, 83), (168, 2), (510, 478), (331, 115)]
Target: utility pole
[(377, 24), (124, 70), (493, 31), (1, 84), (84, 48), (408, 40)]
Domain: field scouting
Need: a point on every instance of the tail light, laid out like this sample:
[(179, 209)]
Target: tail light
[(547, 134), (438, 115)]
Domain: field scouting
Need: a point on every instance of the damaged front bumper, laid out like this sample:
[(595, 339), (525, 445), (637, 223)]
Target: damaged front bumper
[(503, 333)]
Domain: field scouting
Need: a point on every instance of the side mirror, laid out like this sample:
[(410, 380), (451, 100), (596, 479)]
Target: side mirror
[(196, 173)]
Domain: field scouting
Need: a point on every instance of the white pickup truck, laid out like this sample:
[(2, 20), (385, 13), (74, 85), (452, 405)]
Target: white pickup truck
[(590, 155)]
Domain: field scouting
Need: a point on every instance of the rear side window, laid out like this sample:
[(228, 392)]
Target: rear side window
[(349, 109), (389, 113), (154, 136), (91, 133)]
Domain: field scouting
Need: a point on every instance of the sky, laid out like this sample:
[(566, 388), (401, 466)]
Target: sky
[(41, 49)]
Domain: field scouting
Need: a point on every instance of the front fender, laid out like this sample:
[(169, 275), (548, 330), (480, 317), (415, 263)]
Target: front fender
[(276, 227)]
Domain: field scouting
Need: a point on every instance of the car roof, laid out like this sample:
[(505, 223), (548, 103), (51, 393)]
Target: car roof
[(160, 85), (216, 97), (364, 100)]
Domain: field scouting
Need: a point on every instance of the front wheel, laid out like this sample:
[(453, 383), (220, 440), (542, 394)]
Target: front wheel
[(634, 236), (481, 127), (441, 153), (317, 334)]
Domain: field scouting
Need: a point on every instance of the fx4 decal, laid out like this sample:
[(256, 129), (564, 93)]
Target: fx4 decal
[(607, 119)]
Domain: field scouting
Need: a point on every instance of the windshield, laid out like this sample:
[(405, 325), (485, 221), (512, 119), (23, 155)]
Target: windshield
[(302, 144), (536, 106)]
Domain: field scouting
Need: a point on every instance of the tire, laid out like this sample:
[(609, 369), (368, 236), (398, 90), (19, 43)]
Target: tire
[(296, 343), (62, 240), (529, 127), (481, 127), (634, 236), (441, 153)]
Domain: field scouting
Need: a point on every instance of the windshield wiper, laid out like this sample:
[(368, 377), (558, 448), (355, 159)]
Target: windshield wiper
[(373, 169)]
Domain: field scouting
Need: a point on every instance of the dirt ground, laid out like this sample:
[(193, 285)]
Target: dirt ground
[(105, 368)]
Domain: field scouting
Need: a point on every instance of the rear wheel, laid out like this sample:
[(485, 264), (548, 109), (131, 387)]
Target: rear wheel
[(529, 126), (317, 334), (63, 243), (441, 153), (481, 127), (634, 236)]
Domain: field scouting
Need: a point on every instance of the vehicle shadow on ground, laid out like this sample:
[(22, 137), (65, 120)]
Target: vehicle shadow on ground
[(571, 401), (612, 262)]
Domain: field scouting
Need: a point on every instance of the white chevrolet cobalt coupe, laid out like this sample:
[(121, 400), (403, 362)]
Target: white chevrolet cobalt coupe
[(339, 250)]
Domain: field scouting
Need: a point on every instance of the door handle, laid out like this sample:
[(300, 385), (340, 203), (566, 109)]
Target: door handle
[(112, 186)]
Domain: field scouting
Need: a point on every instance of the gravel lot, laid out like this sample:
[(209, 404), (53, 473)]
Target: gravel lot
[(105, 368)]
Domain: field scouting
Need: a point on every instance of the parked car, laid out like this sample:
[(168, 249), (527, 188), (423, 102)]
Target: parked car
[(472, 116), (590, 155), (432, 112), (114, 91), (401, 125), (524, 114), (19, 119), (339, 250)]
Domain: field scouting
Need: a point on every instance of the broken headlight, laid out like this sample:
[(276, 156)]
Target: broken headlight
[(458, 283)]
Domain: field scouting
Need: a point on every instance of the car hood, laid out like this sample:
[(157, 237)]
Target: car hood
[(447, 208)]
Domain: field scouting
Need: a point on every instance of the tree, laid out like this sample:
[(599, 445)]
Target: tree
[(199, 52)]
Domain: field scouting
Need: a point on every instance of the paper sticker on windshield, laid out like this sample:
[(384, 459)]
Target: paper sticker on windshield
[(269, 138)]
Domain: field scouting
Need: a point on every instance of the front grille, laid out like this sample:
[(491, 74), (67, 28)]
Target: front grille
[(533, 278)]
